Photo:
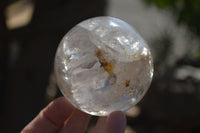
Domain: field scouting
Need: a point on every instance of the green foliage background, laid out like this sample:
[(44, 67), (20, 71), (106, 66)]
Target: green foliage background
[(186, 11)]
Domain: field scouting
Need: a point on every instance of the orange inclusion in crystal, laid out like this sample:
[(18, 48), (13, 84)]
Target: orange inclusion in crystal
[(108, 67), (126, 83)]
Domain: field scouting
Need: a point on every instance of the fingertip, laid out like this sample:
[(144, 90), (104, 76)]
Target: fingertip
[(116, 122), (77, 122), (100, 125), (118, 114), (58, 111)]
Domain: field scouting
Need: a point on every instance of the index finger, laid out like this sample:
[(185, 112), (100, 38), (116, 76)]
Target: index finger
[(51, 118), (116, 122)]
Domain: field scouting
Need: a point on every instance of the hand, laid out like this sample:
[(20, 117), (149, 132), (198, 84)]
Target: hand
[(60, 116)]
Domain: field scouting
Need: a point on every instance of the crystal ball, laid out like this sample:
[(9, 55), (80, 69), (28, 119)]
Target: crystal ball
[(103, 65)]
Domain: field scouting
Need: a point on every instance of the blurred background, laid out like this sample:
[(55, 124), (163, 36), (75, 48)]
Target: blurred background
[(30, 31)]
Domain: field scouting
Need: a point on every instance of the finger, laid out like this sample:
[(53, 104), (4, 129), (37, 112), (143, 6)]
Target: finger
[(58, 111), (100, 125), (50, 118), (40, 125), (116, 123), (77, 122)]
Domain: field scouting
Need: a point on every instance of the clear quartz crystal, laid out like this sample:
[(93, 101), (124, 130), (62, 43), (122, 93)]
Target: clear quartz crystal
[(103, 65)]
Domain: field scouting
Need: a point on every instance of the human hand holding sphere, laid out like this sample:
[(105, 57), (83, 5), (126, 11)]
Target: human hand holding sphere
[(102, 67), (60, 116)]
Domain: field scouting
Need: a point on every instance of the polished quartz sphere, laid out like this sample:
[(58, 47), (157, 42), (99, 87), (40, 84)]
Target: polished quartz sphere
[(103, 65)]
